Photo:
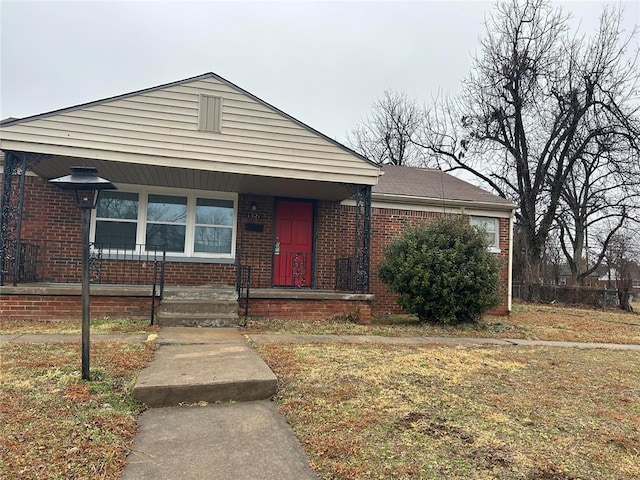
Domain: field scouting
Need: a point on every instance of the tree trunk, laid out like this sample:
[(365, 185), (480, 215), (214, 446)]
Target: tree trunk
[(623, 298)]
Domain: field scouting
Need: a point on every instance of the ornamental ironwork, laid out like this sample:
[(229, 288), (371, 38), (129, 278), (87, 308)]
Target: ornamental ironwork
[(15, 168), (362, 196)]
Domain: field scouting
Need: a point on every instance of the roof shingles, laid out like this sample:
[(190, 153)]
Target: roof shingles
[(431, 183)]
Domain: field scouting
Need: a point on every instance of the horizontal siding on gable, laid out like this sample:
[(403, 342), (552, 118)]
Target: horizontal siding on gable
[(164, 123), (231, 135), (253, 153)]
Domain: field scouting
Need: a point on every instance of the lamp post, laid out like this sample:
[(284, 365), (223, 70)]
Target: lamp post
[(85, 184)]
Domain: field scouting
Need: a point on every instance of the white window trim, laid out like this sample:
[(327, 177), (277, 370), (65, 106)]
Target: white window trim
[(494, 248), (192, 195)]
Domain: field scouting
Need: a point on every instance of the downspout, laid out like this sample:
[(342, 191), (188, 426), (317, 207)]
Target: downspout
[(510, 271)]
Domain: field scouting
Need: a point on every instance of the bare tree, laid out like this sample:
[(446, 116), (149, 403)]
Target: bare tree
[(596, 197), (535, 101), (553, 259), (386, 136), (623, 261)]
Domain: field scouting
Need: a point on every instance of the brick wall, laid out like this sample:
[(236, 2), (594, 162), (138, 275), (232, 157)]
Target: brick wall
[(310, 309), (69, 307), (49, 213), (388, 224)]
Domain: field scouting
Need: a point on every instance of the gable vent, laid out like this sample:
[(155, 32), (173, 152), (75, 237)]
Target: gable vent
[(210, 113)]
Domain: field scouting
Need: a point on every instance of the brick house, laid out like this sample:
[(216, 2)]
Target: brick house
[(211, 180)]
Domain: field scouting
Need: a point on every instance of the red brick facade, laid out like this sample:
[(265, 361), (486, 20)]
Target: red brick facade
[(298, 309), (49, 214), (69, 307), (388, 224)]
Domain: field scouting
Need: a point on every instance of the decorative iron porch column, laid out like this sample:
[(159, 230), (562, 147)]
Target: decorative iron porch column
[(14, 172), (363, 237)]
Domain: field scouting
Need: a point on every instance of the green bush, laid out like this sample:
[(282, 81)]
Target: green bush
[(443, 271)]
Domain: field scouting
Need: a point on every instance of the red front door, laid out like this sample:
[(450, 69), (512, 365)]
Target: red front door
[(292, 251)]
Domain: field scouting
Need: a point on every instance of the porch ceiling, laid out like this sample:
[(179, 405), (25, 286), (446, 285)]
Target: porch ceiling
[(52, 166)]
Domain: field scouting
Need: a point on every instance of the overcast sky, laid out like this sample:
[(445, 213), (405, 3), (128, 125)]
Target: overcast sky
[(324, 63)]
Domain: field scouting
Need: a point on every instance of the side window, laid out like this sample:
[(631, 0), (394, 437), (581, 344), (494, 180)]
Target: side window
[(490, 227), (116, 220)]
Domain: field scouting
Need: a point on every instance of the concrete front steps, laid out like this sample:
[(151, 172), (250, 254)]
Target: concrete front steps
[(198, 307), (210, 365)]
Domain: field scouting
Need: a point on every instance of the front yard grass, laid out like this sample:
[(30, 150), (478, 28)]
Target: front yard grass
[(54, 425), (98, 326), (361, 411), (527, 321), (371, 411)]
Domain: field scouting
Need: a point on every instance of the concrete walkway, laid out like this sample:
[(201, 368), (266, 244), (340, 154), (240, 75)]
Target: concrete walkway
[(72, 337), (193, 336), (292, 338), (215, 419)]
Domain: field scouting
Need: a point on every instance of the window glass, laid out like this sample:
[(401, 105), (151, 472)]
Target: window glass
[(167, 208), (212, 240), (117, 205), (118, 235), (490, 227), (116, 220), (214, 226), (167, 221), (214, 212), (162, 236)]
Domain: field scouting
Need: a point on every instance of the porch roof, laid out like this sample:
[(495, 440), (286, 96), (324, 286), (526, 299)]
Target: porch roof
[(53, 166), (156, 136)]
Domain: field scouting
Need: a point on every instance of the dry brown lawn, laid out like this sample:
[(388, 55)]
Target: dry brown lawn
[(98, 326), (53, 425), (533, 322), (361, 411), (431, 412)]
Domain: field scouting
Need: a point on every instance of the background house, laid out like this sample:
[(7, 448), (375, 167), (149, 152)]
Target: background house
[(211, 180)]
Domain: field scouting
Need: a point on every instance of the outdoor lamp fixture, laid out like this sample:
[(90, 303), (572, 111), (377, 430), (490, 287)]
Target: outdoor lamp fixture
[(85, 184)]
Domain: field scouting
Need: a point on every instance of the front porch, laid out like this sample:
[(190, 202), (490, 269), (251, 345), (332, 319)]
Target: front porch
[(63, 302), (45, 284)]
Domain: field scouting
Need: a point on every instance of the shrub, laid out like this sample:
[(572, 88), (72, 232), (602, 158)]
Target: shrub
[(443, 271)]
